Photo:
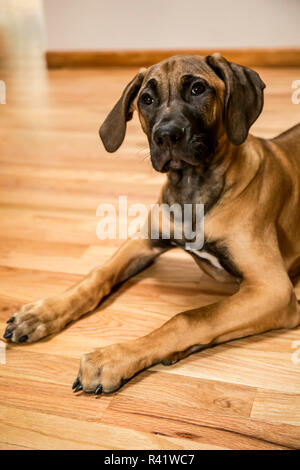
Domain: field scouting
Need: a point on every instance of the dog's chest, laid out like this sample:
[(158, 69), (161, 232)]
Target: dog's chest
[(217, 262), (195, 189), (216, 265), (208, 258)]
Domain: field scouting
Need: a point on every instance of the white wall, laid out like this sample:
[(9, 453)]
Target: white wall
[(158, 24)]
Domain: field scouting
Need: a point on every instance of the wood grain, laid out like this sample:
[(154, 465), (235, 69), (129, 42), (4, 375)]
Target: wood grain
[(53, 175), (277, 407), (201, 427)]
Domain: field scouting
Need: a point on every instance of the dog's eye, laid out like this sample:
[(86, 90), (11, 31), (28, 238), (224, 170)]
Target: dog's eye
[(147, 99), (197, 89)]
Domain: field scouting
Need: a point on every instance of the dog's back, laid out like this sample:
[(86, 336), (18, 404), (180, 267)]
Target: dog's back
[(289, 140)]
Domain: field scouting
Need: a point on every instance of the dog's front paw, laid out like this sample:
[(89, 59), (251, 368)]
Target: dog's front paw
[(106, 369), (33, 322)]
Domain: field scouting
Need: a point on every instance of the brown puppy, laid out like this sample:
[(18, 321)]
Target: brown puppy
[(196, 112)]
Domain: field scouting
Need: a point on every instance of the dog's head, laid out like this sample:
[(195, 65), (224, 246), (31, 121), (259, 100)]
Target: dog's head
[(185, 104)]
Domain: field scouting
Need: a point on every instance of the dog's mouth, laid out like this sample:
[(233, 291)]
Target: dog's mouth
[(168, 161), (173, 164), (196, 153)]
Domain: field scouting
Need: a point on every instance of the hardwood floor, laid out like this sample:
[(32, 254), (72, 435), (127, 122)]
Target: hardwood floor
[(54, 173)]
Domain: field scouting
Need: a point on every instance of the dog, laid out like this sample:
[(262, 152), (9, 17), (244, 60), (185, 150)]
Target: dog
[(196, 112)]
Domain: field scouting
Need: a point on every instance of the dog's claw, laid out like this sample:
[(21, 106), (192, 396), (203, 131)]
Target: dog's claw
[(98, 390), (23, 339), (7, 334), (76, 383), (11, 320), (78, 388)]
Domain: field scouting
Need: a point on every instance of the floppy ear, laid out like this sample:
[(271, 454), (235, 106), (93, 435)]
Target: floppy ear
[(112, 131), (243, 96)]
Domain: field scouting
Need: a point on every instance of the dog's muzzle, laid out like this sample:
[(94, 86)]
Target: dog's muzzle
[(166, 149)]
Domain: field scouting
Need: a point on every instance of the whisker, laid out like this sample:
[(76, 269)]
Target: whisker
[(146, 149)]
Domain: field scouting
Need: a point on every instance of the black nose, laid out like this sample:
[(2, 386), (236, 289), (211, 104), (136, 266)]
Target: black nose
[(168, 135)]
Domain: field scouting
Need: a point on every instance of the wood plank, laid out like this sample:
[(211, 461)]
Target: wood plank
[(39, 367), (199, 425), (197, 394), (44, 431), (277, 407), (197, 409), (50, 398)]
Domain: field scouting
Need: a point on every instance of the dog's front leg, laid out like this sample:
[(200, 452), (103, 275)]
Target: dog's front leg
[(48, 316), (258, 306)]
